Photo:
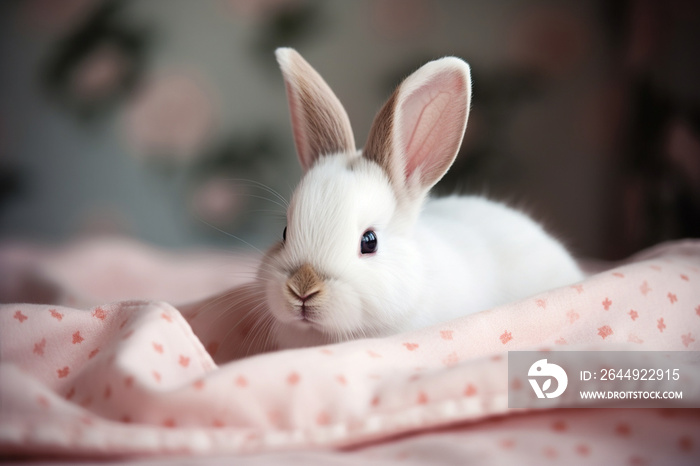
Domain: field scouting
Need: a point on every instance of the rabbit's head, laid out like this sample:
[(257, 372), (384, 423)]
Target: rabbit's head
[(348, 265)]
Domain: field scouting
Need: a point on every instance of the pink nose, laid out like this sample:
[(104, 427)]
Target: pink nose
[(304, 284), (306, 297)]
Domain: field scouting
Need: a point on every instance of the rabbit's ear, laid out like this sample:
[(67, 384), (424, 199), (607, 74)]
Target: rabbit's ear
[(319, 122), (415, 137)]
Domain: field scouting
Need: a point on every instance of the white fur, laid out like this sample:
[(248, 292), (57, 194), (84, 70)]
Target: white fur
[(437, 259)]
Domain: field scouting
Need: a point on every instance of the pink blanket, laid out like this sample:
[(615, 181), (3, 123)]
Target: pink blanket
[(131, 378)]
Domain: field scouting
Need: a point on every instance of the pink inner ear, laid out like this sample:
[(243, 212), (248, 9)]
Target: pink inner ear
[(298, 127), (432, 123)]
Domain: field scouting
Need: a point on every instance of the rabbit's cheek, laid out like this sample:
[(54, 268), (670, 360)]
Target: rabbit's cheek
[(341, 312)]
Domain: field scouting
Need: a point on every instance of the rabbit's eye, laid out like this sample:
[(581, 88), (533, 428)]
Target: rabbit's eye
[(284, 234), (368, 244)]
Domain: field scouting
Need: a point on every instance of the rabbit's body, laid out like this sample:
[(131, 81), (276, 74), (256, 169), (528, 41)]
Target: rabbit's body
[(366, 252), (495, 255)]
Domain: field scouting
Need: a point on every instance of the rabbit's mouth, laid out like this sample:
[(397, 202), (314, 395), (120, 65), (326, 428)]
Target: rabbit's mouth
[(309, 313), (307, 324), (307, 317), (306, 314)]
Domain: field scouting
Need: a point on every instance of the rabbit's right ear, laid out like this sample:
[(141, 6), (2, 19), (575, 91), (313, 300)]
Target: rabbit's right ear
[(415, 137), (319, 121)]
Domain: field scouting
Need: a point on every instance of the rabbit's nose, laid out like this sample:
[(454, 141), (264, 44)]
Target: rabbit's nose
[(305, 297), (305, 283)]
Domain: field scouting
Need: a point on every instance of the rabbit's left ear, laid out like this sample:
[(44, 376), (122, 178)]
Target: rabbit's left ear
[(319, 121), (415, 137)]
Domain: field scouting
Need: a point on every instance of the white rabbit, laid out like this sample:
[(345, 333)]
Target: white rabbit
[(365, 252)]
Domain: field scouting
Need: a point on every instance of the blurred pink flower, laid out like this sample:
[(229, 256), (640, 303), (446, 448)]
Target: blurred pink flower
[(172, 116), (100, 73), (219, 200), (54, 17)]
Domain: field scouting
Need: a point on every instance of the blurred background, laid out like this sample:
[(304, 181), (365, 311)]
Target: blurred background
[(157, 119)]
